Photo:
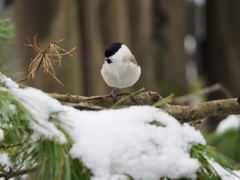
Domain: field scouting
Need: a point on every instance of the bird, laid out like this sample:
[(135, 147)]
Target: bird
[(120, 68)]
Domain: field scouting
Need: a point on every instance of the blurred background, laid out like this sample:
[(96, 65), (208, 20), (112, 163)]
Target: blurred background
[(181, 45)]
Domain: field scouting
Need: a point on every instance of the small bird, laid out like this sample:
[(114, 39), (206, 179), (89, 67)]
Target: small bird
[(120, 68)]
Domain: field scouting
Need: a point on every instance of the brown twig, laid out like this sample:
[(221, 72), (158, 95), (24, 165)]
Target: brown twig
[(46, 58)]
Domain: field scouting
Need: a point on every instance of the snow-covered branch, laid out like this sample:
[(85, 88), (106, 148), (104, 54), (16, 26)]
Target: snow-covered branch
[(138, 142)]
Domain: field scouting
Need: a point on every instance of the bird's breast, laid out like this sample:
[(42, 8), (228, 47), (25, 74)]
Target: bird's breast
[(120, 75)]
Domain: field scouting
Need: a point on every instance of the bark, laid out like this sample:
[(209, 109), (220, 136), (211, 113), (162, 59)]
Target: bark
[(146, 98), (221, 107)]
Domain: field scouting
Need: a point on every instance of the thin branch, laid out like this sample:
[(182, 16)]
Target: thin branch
[(6, 146), (10, 174), (184, 100), (45, 58)]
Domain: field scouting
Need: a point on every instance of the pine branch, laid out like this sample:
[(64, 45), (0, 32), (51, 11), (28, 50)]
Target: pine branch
[(6, 146)]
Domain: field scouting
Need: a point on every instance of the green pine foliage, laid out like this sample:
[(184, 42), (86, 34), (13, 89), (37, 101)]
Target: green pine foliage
[(228, 143), (206, 153), (51, 159), (6, 33)]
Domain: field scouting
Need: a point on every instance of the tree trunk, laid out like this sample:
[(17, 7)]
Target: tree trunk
[(223, 45), (141, 39), (170, 27), (222, 48), (114, 23), (92, 47)]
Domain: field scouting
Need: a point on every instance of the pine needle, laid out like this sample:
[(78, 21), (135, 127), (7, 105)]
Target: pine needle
[(206, 153)]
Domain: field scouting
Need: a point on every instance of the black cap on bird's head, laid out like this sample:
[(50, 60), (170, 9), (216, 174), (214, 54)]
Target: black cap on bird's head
[(112, 49)]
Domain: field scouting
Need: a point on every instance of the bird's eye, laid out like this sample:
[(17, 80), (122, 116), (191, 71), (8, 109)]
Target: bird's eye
[(109, 61)]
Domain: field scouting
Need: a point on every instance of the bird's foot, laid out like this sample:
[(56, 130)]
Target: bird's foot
[(133, 97), (114, 95)]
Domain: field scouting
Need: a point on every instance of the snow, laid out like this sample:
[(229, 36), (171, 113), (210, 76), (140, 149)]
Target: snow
[(40, 105), (190, 44), (124, 142), (113, 143), (231, 122), (9, 83), (223, 173), (1, 134), (4, 159)]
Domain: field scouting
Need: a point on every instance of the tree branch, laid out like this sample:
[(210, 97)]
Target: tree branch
[(182, 113), (10, 174), (5, 146), (210, 108), (80, 102)]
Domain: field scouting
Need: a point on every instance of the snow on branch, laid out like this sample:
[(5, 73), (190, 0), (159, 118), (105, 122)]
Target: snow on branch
[(137, 142)]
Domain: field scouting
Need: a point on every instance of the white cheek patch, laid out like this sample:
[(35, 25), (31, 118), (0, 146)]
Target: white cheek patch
[(121, 54)]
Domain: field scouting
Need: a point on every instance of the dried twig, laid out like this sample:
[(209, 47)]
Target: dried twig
[(47, 58), (184, 100)]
